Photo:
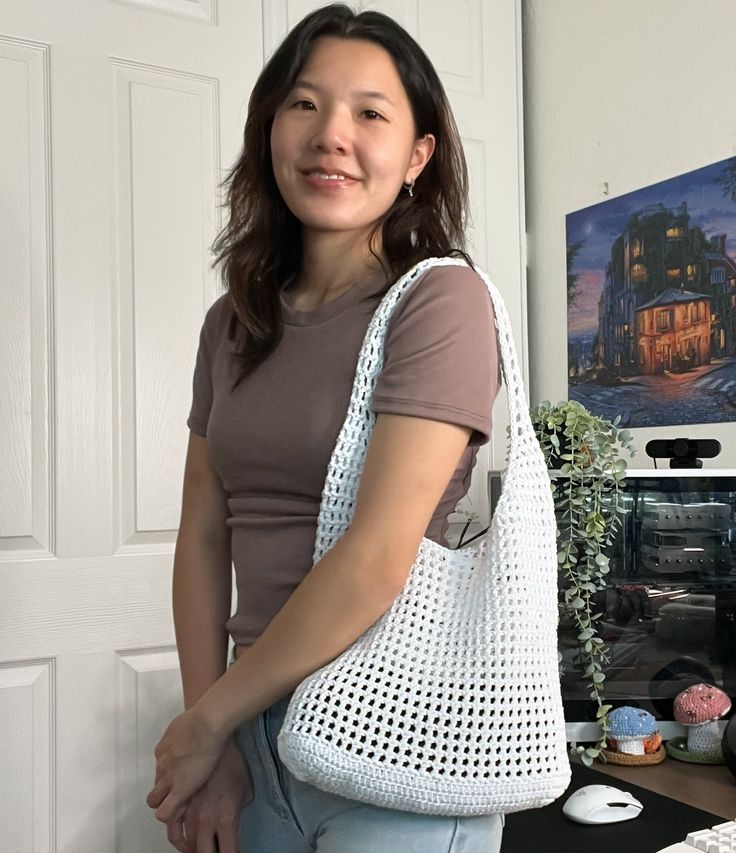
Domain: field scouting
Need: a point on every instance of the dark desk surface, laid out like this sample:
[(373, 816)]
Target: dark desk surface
[(663, 820), (711, 788)]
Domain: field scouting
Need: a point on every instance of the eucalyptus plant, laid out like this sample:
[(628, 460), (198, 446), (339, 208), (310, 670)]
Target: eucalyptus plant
[(587, 454)]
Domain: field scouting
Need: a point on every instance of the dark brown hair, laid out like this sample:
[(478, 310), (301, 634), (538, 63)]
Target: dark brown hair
[(260, 248)]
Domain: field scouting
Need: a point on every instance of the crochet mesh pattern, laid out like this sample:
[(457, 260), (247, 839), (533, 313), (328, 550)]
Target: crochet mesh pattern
[(450, 703)]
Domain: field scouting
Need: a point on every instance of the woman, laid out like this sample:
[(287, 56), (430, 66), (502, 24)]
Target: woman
[(351, 172)]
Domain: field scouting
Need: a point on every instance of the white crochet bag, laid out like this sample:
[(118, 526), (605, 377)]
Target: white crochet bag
[(450, 703)]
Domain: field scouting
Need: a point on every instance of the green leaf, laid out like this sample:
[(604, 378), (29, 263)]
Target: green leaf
[(586, 634), (598, 677)]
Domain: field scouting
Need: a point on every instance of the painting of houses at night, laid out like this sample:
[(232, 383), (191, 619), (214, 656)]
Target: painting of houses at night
[(651, 302)]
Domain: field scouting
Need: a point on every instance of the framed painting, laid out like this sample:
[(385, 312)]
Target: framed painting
[(651, 301)]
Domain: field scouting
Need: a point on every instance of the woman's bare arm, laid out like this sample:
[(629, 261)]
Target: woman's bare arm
[(409, 463), (201, 592), (202, 584), (407, 469)]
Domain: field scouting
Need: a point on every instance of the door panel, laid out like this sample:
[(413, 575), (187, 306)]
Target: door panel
[(125, 118)]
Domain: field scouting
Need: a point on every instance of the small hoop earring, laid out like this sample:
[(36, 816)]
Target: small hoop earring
[(410, 187)]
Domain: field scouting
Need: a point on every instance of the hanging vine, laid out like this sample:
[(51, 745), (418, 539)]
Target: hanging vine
[(585, 452)]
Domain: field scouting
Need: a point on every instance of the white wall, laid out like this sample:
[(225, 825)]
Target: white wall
[(623, 93)]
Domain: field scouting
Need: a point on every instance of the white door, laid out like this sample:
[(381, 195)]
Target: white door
[(119, 120)]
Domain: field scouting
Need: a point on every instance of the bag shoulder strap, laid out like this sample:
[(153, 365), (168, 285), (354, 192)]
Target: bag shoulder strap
[(343, 474)]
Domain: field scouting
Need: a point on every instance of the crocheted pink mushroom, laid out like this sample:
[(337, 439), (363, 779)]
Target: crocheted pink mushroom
[(698, 708)]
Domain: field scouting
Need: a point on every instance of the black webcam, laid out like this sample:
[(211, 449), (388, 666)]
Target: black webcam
[(683, 452)]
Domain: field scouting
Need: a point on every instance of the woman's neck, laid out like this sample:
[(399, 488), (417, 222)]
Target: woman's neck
[(329, 267)]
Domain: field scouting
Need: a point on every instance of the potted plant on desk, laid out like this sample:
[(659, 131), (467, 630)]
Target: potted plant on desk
[(586, 453)]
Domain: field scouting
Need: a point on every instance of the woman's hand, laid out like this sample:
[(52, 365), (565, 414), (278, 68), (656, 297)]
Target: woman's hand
[(210, 822), (185, 757)]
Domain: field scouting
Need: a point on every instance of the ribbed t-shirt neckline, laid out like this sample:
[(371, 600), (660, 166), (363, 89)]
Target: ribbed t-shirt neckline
[(328, 310)]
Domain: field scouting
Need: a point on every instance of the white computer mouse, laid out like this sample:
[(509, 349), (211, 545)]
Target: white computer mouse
[(601, 804)]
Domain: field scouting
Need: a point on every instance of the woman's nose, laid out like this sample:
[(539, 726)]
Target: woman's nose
[(332, 132)]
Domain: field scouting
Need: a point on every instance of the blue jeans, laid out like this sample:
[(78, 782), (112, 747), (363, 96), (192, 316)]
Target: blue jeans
[(289, 816)]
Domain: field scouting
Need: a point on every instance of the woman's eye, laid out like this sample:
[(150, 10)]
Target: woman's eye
[(305, 105), (372, 114)]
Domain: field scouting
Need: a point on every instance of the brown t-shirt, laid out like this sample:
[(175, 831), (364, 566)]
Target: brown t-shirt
[(271, 439)]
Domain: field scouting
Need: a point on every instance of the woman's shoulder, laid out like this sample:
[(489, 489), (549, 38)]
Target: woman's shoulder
[(220, 310), (449, 304), (456, 272), (456, 288), (217, 318)]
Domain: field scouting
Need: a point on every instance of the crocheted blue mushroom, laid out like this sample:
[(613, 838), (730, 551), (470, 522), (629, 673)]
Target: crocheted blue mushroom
[(630, 727)]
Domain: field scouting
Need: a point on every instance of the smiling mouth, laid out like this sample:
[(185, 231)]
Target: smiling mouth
[(329, 181), (325, 177)]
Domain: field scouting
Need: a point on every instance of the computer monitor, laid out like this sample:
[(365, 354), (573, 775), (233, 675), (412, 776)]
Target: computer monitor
[(669, 608)]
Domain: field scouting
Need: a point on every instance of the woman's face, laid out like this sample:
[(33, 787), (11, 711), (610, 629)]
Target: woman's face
[(342, 143)]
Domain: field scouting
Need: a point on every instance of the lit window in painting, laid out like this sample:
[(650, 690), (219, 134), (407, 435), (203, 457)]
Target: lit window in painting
[(637, 246), (638, 273), (673, 273), (675, 233), (664, 320), (691, 270)]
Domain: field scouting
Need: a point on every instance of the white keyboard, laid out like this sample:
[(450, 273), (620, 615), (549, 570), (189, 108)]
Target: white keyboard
[(717, 839)]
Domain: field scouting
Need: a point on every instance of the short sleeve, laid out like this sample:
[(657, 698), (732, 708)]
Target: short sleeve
[(202, 382), (441, 359)]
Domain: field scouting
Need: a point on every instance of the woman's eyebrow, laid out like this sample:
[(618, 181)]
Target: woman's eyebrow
[(305, 84)]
